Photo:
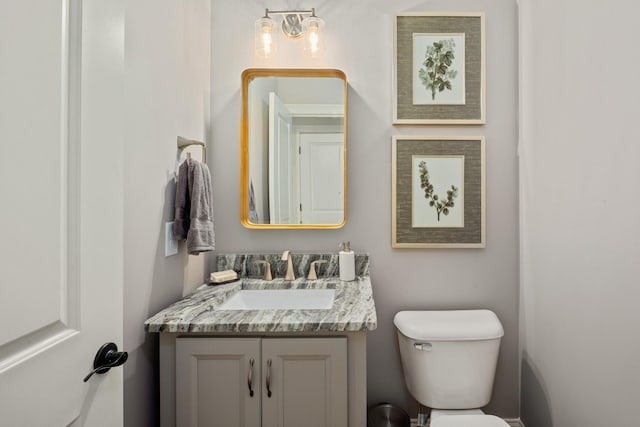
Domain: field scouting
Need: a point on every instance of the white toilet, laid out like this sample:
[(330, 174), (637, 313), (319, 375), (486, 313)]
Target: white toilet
[(449, 362)]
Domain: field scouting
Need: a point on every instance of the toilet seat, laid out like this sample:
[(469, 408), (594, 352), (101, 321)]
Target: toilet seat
[(468, 421)]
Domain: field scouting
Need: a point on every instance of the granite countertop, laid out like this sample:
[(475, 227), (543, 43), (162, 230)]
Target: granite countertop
[(353, 309)]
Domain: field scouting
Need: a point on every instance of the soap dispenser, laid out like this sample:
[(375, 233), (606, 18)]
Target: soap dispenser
[(347, 262)]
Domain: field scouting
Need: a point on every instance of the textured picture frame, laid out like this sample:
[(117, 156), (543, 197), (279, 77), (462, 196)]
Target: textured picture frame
[(426, 185), (439, 68)]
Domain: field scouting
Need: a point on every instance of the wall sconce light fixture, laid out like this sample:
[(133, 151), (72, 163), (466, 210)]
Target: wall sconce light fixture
[(295, 24)]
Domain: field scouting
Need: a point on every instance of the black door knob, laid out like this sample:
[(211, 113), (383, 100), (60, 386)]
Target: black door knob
[(106, 358)]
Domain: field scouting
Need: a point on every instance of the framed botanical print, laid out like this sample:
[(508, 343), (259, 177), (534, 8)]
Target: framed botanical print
[(438, 192), (439, 68)]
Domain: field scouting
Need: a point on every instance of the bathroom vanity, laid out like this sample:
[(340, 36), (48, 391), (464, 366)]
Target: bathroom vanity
[(255, 366)]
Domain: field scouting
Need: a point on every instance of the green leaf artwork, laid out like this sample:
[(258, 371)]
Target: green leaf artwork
[(442, 206), (435, 73)]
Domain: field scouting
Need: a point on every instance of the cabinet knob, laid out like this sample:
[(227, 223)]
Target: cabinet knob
[(268, 380), (250, 379)]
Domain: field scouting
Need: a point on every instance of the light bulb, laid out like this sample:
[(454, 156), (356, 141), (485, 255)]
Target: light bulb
[(313, 42), (266, 42)]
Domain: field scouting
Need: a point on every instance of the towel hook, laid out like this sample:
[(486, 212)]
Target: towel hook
[(184, 143)]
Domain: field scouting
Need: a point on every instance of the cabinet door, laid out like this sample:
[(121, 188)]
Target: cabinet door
[(308, 382), (212, 382)]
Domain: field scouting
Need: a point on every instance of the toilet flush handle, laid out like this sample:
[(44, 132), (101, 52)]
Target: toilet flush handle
[(422, 346)]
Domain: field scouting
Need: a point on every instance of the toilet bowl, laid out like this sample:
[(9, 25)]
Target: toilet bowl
[(449, 361)]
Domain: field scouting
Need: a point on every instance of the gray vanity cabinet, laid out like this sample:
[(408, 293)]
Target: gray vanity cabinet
[(295, 382), (308, 382), (212, 382)]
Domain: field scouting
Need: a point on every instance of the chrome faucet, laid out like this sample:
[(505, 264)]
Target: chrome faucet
[(289, 275)]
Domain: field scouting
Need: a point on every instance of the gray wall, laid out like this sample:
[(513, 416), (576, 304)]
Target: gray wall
[(580, 207), (359, 41), (167, 90)]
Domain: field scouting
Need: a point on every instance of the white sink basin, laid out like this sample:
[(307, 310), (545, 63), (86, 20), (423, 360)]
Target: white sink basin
[(280, 299)]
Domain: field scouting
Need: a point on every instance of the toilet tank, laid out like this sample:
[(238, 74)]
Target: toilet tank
[(449, 357)]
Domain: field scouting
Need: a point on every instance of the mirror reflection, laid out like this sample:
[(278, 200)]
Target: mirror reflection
[(293, 148)]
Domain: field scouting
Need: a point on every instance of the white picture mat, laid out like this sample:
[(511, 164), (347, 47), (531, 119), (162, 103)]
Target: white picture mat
[(455, 96), (444, 171)]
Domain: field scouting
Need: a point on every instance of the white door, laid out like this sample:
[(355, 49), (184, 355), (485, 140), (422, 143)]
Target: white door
[(281, 163), (322, 178), (61, 179)]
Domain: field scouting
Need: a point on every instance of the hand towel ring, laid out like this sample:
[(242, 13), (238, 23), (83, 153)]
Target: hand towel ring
[(184, 143)]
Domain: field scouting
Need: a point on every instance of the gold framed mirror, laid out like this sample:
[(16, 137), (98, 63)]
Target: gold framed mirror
[(293, 148)]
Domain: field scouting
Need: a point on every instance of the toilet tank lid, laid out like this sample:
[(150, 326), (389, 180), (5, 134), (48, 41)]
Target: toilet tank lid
[(449, 325)]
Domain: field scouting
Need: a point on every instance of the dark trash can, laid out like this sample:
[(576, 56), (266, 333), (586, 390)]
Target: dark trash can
[(387, 415)]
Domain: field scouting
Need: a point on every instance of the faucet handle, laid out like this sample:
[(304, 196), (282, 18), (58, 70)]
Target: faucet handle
[(312, 268), (267, 270)]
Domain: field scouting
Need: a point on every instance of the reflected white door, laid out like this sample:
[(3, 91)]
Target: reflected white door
[(282, 150), (61, 179), (322, 178)]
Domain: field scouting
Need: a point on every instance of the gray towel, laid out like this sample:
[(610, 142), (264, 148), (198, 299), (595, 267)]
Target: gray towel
[(182, 204), (194, 210)]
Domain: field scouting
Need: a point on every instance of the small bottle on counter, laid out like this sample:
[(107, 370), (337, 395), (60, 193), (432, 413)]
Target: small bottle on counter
[(347, 262)]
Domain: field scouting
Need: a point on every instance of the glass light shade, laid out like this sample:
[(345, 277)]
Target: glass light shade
[(264, 37), (313, 40)]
